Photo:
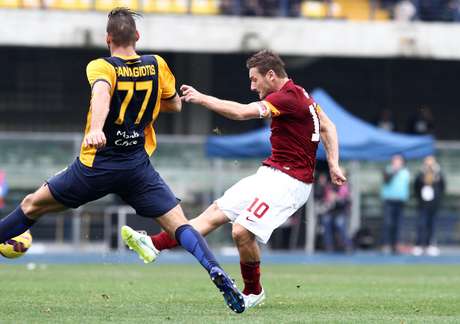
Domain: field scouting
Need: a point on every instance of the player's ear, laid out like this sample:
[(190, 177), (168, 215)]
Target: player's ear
[(108, 39), (137, 36), (271, 75)]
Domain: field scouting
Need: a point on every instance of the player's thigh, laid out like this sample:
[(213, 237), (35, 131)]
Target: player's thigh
[(242, 235), (79, 184), (145, 190), (274, 199), (40, 202), (238, 197), (209, 220), (252, 192)]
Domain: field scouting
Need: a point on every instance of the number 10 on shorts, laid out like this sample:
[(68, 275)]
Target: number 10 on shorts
[(258, 208)]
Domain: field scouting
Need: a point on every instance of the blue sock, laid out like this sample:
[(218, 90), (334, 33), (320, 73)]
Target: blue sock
[(193, 242), (14, 224)]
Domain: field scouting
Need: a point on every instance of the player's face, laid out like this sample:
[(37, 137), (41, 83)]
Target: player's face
[(259, 83)]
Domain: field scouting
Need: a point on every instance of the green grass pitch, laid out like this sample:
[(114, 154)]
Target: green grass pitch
[(183, 294)]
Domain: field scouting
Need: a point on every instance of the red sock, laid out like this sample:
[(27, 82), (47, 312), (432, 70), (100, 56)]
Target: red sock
[(251, 277), (163, 241)]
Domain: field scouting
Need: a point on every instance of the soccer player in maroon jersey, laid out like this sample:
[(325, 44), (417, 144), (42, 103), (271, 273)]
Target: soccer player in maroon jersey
[(260, 203)]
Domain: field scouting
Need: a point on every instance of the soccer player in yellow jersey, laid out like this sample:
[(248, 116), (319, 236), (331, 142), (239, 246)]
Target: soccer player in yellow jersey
[(128, 91)]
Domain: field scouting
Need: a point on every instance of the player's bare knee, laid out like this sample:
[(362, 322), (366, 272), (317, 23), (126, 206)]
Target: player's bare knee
[(172, 220), (240, 234), (213, 210), (216, 217), (29, 206)]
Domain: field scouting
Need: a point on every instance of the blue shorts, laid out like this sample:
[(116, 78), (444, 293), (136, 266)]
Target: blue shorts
[(141, 187)]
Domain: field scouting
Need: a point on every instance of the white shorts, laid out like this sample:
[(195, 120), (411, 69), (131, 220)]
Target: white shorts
[(264, 201)]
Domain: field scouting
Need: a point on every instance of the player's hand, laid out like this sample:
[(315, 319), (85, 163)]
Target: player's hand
[(190, 94), (337, 176), (95, 139)]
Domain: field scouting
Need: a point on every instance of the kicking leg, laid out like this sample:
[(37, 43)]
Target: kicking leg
[(175, 224), (148, 248), (246, 243), (32, 207), (205, 223), (250, 264)]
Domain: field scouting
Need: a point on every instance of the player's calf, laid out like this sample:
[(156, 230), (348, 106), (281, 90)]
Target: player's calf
[(14, 224)]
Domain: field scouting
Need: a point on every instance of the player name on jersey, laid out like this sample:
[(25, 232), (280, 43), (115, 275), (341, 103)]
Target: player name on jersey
[(137, 71)]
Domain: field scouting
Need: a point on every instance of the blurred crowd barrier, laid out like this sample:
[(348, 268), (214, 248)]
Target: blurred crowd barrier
[(28, 159), (426, 10), (338, 9)]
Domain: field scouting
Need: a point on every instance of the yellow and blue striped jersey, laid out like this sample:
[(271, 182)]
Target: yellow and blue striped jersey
[(137, 84)]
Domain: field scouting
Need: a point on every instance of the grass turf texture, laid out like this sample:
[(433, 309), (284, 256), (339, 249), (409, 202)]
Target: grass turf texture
[(183, 293)]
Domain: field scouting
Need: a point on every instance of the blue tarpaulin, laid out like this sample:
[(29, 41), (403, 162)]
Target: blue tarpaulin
[(358, 140)]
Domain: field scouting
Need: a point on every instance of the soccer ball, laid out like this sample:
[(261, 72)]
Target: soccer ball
[(17, 246)]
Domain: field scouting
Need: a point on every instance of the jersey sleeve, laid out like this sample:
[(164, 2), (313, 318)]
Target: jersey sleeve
[(278, 104), (318, 107), (284, 104), (100, 70), (166, 78)]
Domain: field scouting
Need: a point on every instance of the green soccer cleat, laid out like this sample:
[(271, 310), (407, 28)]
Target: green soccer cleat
[(140, 243)]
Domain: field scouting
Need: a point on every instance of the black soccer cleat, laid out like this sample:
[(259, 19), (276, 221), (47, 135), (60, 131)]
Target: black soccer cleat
[(232, 296)]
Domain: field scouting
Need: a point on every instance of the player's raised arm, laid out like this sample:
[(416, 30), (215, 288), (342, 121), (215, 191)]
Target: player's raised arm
[(330, 141), (170, 100), (100, 103), (226, 108), (173, 104)]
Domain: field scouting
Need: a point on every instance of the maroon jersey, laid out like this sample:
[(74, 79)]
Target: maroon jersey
[(294, 131)]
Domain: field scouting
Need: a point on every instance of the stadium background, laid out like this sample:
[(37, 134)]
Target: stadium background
[(353, 49)]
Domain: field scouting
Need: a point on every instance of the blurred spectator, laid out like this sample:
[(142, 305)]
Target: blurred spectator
[(395, 193), (271, 8), (422, 122), (334, 207), (425, 10), (252, 8), (404, 10), (291, 8), (388, 4), (386, 120), (432, 10), (3, 189), (429, 188), (320, 189), (228, 7), (453, 11)]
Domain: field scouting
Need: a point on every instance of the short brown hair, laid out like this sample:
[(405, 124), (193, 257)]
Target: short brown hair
[(122, 27), (265, 61)]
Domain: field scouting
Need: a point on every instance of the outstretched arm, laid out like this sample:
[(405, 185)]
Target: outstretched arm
[(328, 134), (100, 102), (226, 108), (173, 104)]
